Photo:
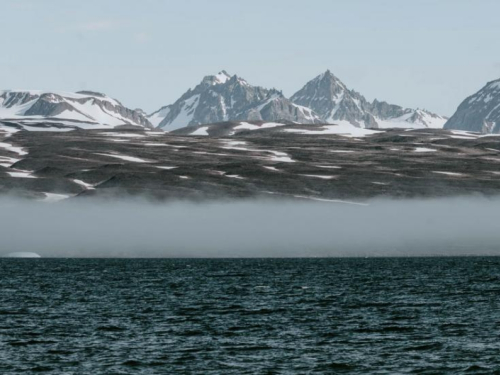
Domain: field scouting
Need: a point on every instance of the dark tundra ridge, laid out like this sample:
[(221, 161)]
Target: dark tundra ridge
[(278, 162)]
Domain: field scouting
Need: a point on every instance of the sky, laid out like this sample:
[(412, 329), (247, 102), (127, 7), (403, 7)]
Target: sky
[(428, 54)]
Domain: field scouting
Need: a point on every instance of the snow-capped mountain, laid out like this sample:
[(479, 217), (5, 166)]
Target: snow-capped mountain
[(479, 112), (223, 97), (84, 108), (335, 103)]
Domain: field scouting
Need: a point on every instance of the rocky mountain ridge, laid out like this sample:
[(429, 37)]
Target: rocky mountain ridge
[(222, 97), (334, 102), (479, 112)]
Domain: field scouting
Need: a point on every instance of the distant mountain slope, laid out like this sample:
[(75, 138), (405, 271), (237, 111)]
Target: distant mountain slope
[(85, 107), (335, 103), (223, 97), (479, 112)]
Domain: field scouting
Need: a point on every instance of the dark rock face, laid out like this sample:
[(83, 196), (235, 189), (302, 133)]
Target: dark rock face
[(224, 98), (479, 112), (53, 105), (132, 117), (48, 108), (331, 99), (386, 110), (265, 162), (11, 99), (333, 102)]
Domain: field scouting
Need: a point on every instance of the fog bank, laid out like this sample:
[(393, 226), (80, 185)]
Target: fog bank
[(264, 228)]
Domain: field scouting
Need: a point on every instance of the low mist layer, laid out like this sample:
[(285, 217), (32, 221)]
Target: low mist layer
[(250, 228)]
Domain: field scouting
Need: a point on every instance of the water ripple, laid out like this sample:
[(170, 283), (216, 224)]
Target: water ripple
[(316, 316)]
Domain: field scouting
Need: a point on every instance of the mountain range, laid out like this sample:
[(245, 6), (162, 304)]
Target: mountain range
[(324, 99), (329, 97), (223, 99), (326, 143)]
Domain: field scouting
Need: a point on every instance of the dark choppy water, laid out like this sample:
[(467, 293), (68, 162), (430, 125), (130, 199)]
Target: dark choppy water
[(438, 315)]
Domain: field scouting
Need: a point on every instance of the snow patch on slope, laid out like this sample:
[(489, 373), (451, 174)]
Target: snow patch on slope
[(200, 131), (248, 126), (342, 128), (156, 117), (186, 114)]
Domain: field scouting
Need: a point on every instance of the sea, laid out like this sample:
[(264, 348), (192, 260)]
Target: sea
[(250, 316)]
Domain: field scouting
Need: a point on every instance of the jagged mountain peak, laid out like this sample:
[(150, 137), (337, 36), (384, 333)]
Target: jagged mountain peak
[(220, 79), (325, 84), (330, 78), (328, 75), (222, 76), (330, 98), (216, 79), (222, 97), (479, 112)]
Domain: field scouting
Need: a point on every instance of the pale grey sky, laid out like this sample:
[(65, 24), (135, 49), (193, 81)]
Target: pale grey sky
[(423, 53)]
